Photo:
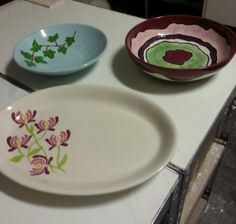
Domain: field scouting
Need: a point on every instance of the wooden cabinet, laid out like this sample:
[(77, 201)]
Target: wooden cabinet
[(200, 179)]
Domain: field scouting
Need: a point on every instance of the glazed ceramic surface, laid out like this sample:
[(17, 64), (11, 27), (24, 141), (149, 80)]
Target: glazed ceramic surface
[(84, 140), (180, 48), (60, 49)]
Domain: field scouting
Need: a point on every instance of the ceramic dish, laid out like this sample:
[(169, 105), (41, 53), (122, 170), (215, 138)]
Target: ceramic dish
[(60, 49), (84, 140), (180, 48)]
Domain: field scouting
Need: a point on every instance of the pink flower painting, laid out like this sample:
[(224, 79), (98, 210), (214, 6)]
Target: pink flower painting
[(35, 146), (23, 118), (47, 125), (16, 142), (40, 165), (57, 140)]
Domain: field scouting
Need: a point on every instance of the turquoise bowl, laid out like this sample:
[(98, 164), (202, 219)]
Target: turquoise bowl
[(61, 49)]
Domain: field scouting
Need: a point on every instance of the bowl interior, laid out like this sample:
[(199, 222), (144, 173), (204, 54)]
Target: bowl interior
[(181, 42), (60, 49)]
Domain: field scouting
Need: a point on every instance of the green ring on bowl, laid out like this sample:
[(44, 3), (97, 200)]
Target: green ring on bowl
[(155, 55)]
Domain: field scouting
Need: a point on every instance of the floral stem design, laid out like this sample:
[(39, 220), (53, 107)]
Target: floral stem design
[(58, 156), (20, 153), (38, 146), (36, 141)]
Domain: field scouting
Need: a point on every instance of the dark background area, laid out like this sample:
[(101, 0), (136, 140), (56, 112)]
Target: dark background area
[(154, 8), (4, 1), (151, 8)]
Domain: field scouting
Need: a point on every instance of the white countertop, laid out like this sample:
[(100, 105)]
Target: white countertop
[(139, 205), (192, 106)]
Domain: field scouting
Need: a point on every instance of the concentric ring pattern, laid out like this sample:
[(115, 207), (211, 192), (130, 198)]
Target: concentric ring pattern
[(180, 46), (178, 51)]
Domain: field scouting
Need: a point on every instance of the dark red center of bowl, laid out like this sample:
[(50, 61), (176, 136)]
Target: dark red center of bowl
[(178, 57)]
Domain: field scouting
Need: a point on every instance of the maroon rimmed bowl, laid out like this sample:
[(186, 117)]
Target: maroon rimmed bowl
[(180, 47)]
